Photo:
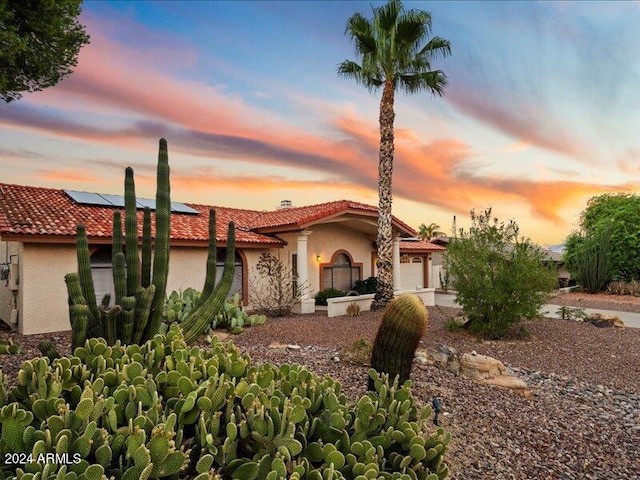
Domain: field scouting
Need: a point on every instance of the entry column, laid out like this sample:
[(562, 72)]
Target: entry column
[(307, 304)]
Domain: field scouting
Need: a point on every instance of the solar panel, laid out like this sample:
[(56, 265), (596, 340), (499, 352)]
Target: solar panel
[(107, 200), (86, 198), (179, 207), (146, 202), (115, 200)]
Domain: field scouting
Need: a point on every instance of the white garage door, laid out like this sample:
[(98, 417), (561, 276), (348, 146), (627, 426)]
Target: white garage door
[(411, 272)]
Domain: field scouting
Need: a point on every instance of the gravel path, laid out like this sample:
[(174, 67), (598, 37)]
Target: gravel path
[(583, 421)]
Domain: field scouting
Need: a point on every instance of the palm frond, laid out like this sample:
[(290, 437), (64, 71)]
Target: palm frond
[(351, 69), (360, 30), (436, 47), (386, 16), (413, 27), (431, 81)]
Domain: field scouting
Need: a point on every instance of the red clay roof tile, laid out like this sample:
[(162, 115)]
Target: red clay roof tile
[(38, 211)]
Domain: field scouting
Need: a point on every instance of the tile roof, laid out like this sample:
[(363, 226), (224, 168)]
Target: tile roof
[(409, 246), (37, 211), (48, 212), (301, 217)]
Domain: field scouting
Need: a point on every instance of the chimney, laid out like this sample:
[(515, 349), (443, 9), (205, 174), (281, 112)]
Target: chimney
[(285, 204)]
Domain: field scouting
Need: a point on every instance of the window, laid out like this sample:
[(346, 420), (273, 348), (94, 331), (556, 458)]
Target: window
[(341, 274), (236, 286), (405, 259), (102, 274), (417, 260)]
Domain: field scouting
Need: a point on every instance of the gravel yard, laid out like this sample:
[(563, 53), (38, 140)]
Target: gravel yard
[(583, 421)]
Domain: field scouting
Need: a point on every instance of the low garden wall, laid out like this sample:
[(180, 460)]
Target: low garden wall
[(338, 305)]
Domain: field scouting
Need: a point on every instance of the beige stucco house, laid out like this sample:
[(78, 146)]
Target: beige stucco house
[(326, 245)]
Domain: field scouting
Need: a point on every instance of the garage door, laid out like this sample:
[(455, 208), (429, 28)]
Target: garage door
[(411, 272)]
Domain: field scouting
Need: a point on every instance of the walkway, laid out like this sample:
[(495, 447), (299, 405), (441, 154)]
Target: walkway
[(550, 310)]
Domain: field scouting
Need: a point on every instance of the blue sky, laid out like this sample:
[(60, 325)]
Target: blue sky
[(541, 112)]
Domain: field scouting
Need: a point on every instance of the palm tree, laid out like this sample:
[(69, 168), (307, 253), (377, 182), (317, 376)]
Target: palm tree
[(429, 232), (392, 55)]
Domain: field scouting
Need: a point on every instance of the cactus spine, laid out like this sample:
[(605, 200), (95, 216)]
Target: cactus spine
[(161, 252), (201, 317), (403, 324)]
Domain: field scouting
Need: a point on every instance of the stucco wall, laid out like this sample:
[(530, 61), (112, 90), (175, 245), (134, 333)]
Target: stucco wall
[(325, 240), (187, 268), (7, 302), (43, 291)]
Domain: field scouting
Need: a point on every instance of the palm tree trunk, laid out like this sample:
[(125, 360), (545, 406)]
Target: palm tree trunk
[(384, 242)]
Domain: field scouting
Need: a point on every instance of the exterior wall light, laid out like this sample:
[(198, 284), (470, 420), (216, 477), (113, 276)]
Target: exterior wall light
[(318, 258)]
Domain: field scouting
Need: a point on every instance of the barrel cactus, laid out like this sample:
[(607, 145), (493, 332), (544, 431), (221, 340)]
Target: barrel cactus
[(404, 322)]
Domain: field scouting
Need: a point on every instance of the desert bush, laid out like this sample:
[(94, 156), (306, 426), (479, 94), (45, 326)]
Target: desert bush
[(353, 309), (359, 353), (322, 296), (274, 291), (499, 277)]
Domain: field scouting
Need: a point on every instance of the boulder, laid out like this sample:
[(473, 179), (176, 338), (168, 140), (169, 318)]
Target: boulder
[(473, 365), (461, 321), (481, 368), (605, 321), (442, 356)]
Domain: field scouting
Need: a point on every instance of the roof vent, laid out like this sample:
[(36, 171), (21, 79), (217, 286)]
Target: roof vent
[(285, 204)]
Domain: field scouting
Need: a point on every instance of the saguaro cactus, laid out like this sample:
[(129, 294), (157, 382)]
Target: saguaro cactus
[(403, 324)]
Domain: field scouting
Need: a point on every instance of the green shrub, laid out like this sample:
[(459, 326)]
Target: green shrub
[(364, 287), (571, 313), (167, 410), (321, 296), (499, 277)]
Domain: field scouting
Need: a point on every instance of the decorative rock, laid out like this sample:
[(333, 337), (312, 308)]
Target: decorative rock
[(461, 321), (480, 366), (294, 347), (444, 357), (512, 383), (605, 321)]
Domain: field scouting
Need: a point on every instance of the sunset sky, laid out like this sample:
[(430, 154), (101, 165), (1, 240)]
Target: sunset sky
[(542, 110)]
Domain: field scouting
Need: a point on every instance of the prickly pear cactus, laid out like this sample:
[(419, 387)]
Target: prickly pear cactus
[(164, 409), (234, 318), (179, 306)]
